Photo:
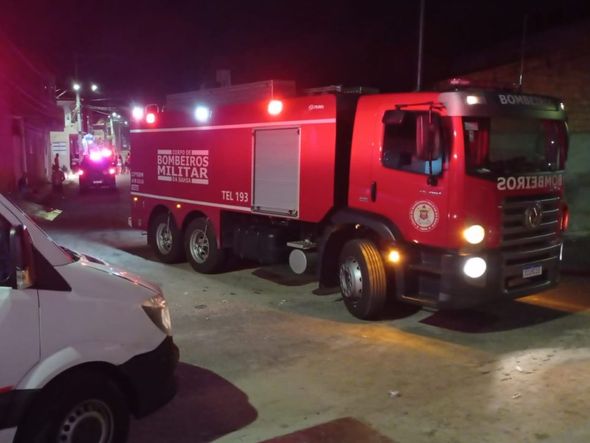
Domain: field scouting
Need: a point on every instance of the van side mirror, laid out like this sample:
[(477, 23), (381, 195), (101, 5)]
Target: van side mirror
[(21, 257), (428, 136), (393, 117)]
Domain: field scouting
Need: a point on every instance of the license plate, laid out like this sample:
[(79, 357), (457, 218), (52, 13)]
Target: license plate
[(532, 271), (96, 182)]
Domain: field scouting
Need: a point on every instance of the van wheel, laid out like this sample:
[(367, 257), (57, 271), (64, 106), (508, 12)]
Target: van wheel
[(81, 407), (165, 239), (200, 247), (363, 281)]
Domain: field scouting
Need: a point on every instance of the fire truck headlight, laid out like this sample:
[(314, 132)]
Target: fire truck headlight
[(202, 114), (474, 267), (474, 234)]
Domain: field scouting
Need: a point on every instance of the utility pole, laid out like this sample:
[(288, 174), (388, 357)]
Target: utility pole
[(77, 88), (113, 136), (522, 52), (420, 44)]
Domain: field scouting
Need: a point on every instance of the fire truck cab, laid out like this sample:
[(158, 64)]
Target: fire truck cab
[(444, 199)]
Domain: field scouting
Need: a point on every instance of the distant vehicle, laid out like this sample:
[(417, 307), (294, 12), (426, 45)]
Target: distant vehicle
[(82, 344), (98, 169)]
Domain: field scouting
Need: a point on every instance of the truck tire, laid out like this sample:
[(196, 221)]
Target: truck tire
[(363, 280), (165, 239), (200, 247), (84, 406)]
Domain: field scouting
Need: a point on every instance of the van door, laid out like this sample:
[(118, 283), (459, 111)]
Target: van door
[(19, 321)]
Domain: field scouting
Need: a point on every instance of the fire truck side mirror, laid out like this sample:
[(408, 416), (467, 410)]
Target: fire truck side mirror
[(393, 117), (428, 136)]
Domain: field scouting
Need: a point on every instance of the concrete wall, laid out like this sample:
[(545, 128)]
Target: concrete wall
[(28, 112), (60, 140)]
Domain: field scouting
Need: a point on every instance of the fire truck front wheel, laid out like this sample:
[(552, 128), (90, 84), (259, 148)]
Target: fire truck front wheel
[(200, 246), (363, 280), (165, 239)]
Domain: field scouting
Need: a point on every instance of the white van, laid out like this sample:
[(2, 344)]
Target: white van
[(82, 344)]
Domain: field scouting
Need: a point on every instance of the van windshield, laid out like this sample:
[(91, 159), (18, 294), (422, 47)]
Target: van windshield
[(499, 145)]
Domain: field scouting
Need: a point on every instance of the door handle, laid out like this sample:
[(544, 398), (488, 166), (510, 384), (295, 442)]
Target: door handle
[(373, 191)]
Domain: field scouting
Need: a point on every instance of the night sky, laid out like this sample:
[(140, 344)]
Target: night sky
[(134, 49)]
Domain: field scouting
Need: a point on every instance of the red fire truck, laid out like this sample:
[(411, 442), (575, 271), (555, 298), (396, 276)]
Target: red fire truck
[(442, 199)]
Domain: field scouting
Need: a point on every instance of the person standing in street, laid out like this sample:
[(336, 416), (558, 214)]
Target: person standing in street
[(57, 176)]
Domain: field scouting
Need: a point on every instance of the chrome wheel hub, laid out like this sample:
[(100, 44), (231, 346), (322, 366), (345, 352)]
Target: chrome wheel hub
[(199, 246), (351, 279), (164, 238)]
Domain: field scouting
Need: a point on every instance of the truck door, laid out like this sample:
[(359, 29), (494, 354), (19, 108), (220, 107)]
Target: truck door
[(402, 188), (19, 321)]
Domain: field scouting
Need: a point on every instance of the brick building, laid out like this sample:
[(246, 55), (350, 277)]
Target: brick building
[(28, 112), (557, 64)]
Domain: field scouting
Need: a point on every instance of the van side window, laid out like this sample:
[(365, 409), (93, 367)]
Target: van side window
[(4, 253), (399, 147)]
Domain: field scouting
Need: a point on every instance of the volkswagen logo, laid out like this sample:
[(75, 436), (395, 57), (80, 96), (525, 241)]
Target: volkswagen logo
[(533, 216)]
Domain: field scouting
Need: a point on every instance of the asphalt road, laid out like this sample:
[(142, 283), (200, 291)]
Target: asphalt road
[(263, 358)]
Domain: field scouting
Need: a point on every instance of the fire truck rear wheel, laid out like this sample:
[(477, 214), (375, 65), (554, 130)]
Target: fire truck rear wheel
[(200, 246), (165, 239), (363, 280)]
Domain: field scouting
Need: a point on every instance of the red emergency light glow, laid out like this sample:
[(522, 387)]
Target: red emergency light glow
[(80, 172), (95, 156), (112, 171), (565, 218), (275, 107), (105, 152), (150, 118)]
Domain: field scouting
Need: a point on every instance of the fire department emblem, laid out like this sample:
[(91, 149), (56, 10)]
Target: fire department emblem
[(424, 215)]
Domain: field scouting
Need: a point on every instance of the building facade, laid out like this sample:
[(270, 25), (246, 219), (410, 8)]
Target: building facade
[(28, 112)]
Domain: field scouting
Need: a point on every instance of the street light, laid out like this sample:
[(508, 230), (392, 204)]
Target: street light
[(77, 87)]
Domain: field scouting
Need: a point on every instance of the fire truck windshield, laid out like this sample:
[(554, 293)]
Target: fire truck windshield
[(500, 145)]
